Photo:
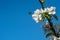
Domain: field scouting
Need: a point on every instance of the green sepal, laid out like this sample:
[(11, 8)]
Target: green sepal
[(46, 15), (55, 16)]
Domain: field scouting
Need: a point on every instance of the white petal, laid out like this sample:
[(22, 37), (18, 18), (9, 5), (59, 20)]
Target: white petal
[(53, 12), (50, 13), (37, 11), (50, 9), (35, 17), (53, 7), (40, 19), (40, 15), (41, 11)]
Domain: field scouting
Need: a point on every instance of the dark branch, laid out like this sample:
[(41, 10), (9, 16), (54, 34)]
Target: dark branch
[(41, 4)]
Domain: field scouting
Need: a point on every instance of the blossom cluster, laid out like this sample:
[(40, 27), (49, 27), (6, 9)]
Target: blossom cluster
[(37, 16)]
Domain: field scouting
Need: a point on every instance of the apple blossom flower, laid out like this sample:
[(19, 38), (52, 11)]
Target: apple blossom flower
[(37, 16), (51, 10)]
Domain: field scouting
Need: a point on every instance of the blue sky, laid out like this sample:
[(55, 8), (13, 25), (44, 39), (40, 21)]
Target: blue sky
[(17, 24)]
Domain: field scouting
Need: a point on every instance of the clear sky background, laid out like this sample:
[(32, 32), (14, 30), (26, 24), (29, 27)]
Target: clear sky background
[(17, 24)]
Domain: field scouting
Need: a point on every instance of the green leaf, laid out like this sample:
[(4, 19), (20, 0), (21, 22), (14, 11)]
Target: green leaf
[(50, 34), (55, 16)]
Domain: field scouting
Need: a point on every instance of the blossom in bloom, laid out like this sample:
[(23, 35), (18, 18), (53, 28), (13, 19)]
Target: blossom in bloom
[(51, 10), (37, 16)]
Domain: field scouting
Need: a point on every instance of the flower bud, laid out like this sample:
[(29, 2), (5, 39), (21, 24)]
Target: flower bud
[(42, 1)]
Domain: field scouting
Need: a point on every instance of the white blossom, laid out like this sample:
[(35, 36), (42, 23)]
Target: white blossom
[(51, 10), (37, 11), (37, 16)]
